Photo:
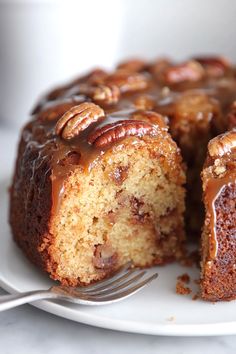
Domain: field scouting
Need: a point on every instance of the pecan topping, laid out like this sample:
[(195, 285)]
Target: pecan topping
[(151, 117), (222, 144), (113, 132), (159, 67), (103, 94), (128, 81), (104, 257), (77, 119), (144, 102), (108, 94), (109, 87), (134, 65), (197, 107), (214, 66), (188, 71)]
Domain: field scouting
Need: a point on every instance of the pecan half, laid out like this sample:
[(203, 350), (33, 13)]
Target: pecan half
[(151, 117), (188, 71), (108, 94), (77, 119), (214, 66), (97, 76), (102, 94), (144, 102), (158, 68), (128, 81), (222, 144), (113, 132), (93, 77), (133, 65)]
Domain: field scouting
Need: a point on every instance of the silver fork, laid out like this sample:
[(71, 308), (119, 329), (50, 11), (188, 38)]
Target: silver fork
[(124, 283)]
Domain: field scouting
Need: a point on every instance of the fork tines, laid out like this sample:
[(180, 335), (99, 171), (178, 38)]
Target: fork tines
[(126, 281)]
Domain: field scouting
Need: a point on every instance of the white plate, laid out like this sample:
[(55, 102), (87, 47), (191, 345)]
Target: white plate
[(155, 310)]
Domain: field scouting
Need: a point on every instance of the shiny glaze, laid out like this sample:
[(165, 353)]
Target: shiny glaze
[(214, 189), (41, 132), (59, 150)]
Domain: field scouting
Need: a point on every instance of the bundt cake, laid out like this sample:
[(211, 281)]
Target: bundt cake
[(99, 177)]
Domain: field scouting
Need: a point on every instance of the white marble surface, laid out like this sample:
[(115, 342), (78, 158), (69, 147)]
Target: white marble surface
[(28, 330)]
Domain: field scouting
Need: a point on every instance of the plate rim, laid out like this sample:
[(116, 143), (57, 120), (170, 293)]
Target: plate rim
[(170, 329)]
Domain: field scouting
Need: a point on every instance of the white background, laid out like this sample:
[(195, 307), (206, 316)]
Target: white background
[(43, 43)]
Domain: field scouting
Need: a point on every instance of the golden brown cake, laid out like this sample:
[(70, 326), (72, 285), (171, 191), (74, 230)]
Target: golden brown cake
[(218, 274), (99, 179)]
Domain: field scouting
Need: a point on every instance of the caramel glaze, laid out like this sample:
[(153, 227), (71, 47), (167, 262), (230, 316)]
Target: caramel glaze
[(221, 148), (40, 132), (64, 155), (214, 188)]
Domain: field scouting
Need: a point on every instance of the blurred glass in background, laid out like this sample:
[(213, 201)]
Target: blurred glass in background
[(45, 43)]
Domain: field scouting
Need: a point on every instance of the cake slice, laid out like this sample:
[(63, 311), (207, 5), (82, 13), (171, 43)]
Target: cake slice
[(93, 190), (218, 266)]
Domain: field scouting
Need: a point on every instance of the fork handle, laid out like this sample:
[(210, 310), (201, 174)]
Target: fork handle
[(9, 301)]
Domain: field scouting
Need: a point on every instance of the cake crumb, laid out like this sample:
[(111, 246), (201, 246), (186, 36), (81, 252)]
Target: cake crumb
[(195, 297), (184, 278), (181, 289)]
